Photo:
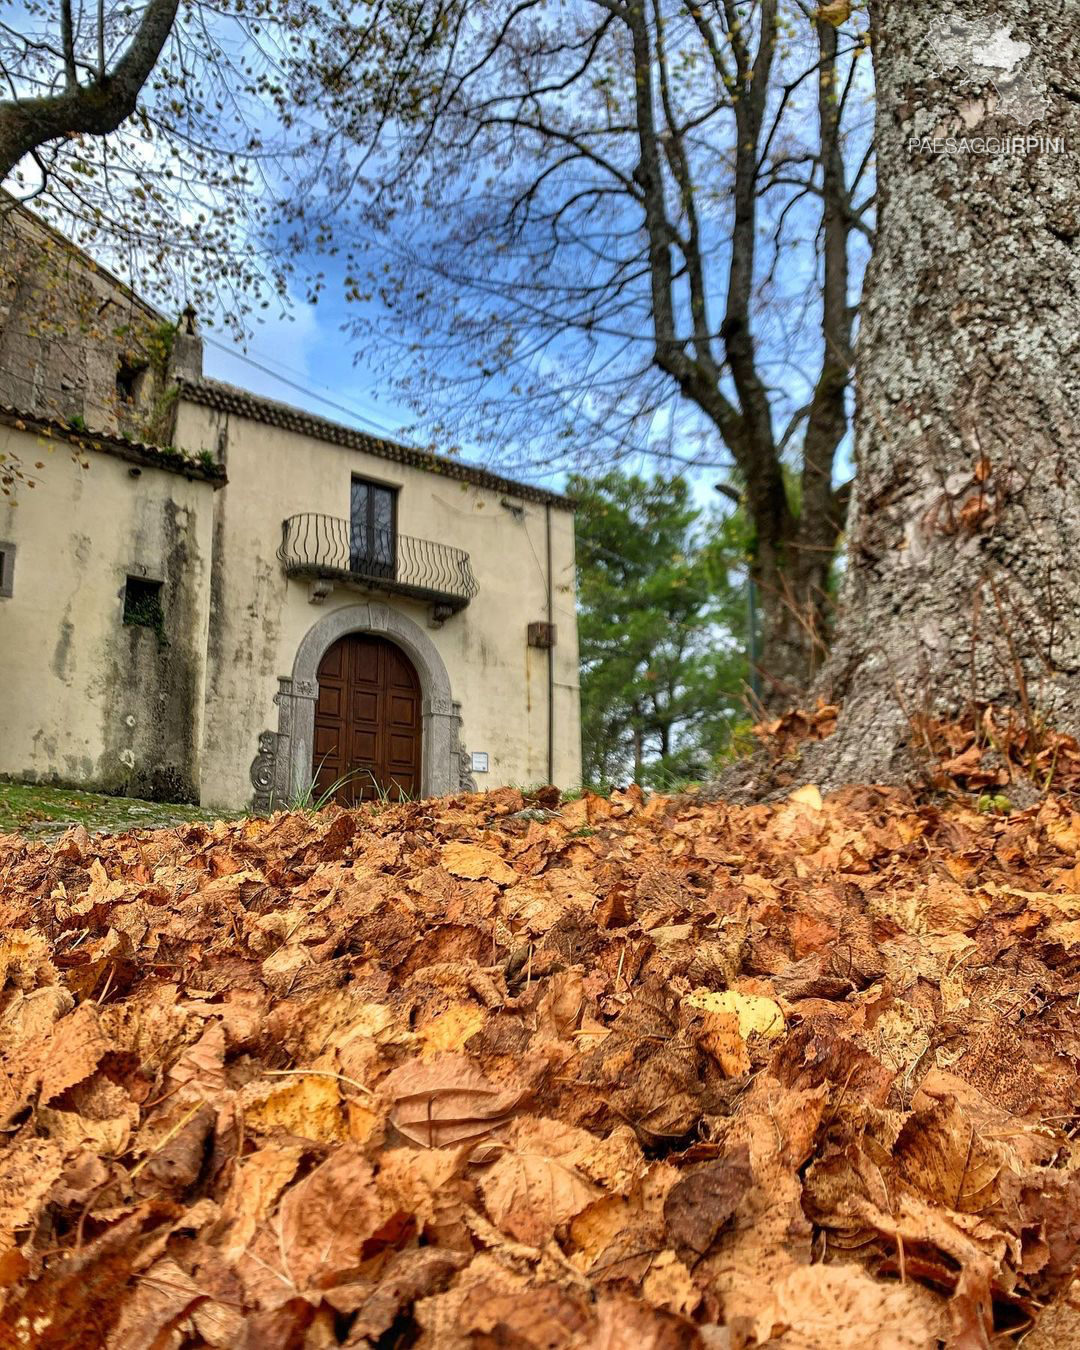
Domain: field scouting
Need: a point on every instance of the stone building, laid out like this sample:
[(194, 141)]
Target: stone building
[(211, 596)]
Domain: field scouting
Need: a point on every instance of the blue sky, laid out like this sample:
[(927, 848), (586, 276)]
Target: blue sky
[(304, 359), (306, 348), (308, 356)]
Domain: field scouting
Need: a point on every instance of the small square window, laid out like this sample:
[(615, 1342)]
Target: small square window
[(129, 378), (7, 569), (142, 604)]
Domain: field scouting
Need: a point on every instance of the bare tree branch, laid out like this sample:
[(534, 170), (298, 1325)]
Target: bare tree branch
[(96, 108)]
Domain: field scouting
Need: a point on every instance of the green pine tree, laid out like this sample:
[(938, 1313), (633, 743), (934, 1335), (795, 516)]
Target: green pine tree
[(662, 630)]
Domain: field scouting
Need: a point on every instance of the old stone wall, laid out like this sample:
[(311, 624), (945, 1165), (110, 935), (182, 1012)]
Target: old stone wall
[(75, 343)]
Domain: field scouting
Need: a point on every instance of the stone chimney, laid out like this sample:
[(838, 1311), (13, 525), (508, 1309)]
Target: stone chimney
[(187, 349)]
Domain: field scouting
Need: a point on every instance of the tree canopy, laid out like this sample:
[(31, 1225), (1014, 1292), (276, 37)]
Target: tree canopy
[(584, 232), (576, 233), (159, 135)]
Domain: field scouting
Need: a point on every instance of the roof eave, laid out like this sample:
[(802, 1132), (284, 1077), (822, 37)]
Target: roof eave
[(239, 402)]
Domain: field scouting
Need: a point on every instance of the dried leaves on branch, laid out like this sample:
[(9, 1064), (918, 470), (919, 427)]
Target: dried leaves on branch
[(476, 1073)]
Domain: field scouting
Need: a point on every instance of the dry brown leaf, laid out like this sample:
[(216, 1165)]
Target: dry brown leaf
[(669, 1285), (324, 1220), (1058, 1326), (535, 1184), (411, 1275), (422, 1184), (172, 1146), (703, 1201), (31, 1166), (75, 1049), (475, 863), (447, 1101), (318, 1230), (108, 1138), (200, 1069), (257, 1183), (843, 1308), (623, 1321), (34, 1013), (162, 1296), (24, 962), (720, 1038)]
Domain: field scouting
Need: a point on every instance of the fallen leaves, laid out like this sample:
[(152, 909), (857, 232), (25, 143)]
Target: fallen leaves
[(700, 1204), (467, 860), (622, 1072)]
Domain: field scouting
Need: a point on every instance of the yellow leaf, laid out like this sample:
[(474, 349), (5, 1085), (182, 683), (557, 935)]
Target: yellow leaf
[(308, 1106), (451, 1028), (362, 1121), (810, 795), (756, 1014), (838, 12)]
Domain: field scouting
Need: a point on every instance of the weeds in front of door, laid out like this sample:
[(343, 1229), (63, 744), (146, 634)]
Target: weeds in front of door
[(311, 803), (385, 795)]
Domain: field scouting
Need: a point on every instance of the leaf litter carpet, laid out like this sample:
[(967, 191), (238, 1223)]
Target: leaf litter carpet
[(476, 1073)]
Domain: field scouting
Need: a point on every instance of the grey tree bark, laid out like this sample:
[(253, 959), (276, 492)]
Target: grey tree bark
[(963, 580)]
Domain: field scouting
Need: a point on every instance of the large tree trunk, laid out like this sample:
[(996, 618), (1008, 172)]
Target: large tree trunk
[(963, 580), (791, 597)]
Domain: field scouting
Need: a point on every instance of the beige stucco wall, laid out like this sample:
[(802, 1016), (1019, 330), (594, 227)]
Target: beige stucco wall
[(259, 617), (86, 700)]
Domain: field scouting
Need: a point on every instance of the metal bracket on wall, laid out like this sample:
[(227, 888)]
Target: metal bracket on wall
[(542, 635)]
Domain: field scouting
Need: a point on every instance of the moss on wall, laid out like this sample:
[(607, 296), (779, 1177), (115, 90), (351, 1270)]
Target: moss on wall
[(153, 729)]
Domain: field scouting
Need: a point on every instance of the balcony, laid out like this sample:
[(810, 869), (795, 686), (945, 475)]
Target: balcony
[(323, 548)]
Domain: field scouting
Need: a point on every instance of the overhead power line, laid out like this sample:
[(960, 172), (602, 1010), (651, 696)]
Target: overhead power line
[(365, 419)]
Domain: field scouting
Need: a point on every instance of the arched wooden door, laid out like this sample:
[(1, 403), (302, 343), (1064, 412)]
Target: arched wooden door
[(367, 722)]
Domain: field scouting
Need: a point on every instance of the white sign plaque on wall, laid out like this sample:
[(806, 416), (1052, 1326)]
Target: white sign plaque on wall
[(479, 761)]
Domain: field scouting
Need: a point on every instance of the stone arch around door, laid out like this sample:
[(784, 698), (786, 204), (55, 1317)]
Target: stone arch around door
[(282, 768)]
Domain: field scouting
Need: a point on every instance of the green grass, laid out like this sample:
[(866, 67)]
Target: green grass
[(28, 809)]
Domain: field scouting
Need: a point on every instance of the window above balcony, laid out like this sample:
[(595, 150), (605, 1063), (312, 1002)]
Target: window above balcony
[(367, 552), (372, 529)]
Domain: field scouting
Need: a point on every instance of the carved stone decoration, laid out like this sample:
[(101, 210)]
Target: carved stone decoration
[(263, 768), (466, 782)]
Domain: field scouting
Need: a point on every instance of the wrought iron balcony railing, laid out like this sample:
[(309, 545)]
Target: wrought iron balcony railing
[(327, 547)]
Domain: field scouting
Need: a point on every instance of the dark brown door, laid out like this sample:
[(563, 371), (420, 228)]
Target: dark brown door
[(367, 722)]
